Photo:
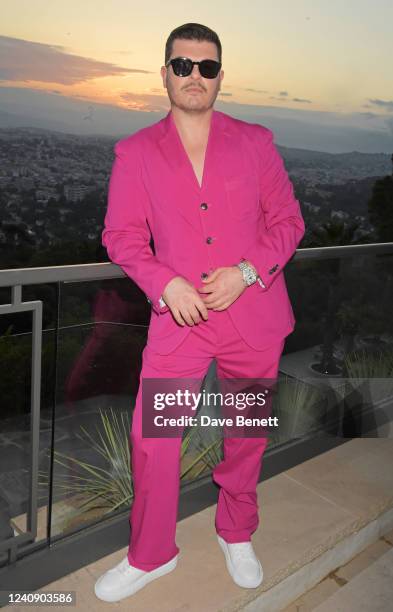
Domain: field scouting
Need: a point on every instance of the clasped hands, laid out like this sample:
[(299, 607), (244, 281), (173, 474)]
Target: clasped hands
[(189, 305)]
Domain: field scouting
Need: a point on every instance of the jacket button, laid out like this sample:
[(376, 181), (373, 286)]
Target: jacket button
[(209, 240), (204, 275), (204, 206)]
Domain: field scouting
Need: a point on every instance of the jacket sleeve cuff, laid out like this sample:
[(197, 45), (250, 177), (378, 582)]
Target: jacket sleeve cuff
[(266, 270), (155, 299)]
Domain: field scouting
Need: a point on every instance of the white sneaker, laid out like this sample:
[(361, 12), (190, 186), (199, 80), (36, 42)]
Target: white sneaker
[(242, 563), (125, 579)]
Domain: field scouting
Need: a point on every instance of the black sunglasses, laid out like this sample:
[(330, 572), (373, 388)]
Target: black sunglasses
[(183, 66)]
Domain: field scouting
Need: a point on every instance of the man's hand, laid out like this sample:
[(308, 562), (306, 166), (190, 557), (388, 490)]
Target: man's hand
[(184, 302), (224, 286)]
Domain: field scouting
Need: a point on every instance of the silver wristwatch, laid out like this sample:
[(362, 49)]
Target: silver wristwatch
[(249, 275)]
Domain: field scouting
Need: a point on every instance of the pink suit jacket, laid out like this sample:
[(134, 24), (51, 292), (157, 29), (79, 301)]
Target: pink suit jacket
[(251, 213)]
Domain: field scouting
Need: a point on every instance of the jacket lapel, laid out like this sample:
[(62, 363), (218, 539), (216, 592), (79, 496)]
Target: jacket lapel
[(216, 157)]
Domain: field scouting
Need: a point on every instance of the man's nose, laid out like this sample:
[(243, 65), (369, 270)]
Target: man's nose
[(195, 71)]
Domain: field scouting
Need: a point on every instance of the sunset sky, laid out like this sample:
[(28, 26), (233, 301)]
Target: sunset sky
[(314, 61)]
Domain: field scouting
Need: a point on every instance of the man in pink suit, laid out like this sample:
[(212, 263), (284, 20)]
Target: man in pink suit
[(213, 192)]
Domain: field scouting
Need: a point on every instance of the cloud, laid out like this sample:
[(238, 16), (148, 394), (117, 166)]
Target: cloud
[(388, 104), (282, 94), (368, 115), (146, 102), (255, 90), (23, 60), (293, 127), (389, 125)]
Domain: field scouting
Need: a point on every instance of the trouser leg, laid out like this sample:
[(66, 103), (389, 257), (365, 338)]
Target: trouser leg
[(155, 465), (155, 462), (238, 473)]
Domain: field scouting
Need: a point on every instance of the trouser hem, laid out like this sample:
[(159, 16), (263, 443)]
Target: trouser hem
[(148, 567), (234, 537)]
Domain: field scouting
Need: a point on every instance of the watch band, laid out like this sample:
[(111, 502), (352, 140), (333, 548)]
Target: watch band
[(249, 274)]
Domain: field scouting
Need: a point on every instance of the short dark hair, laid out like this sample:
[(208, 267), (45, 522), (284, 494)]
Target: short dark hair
[(192, 31)]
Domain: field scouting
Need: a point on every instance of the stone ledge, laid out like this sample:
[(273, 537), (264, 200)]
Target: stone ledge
[(313, 518)]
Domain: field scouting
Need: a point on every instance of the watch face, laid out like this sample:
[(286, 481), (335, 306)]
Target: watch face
[(249, 275)]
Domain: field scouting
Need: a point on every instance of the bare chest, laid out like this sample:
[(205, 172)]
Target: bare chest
[(196, 155)]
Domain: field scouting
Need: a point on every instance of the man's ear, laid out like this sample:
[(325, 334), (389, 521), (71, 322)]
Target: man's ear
[(221, 79)]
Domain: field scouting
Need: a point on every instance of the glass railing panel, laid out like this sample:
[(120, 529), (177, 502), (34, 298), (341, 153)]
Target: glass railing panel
[(26, 425), (335, 379), (337, 366), (102, 332)]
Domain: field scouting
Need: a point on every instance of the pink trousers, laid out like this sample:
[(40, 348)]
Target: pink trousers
[(155, 462)]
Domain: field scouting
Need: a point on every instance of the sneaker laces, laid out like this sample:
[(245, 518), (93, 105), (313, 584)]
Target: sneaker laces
[(124, 566), (242, 550)]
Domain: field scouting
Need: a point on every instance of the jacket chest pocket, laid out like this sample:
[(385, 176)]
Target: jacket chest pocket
[(243, 196)]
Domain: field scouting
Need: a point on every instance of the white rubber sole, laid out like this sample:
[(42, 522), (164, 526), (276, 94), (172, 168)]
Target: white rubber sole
[(247, 585), (135, 586)]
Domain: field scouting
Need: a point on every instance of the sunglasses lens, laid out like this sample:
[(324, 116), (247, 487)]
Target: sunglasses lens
[(209, 69), (182, 67)]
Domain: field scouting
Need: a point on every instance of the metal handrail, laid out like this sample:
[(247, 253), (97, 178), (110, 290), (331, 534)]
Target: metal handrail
[(16, 278), (96, 271)]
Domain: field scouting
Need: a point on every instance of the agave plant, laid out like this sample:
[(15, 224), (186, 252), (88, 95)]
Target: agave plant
[(109, 488), (299, 407), (372, 370), (362, 363), (102, 487)]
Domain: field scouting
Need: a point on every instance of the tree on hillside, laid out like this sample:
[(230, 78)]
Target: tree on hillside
[(380, 208)]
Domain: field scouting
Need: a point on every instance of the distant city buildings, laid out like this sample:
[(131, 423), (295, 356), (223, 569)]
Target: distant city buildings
[(75, 193), (339, 214), (45, 175), (44, 195), (313, 208)]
